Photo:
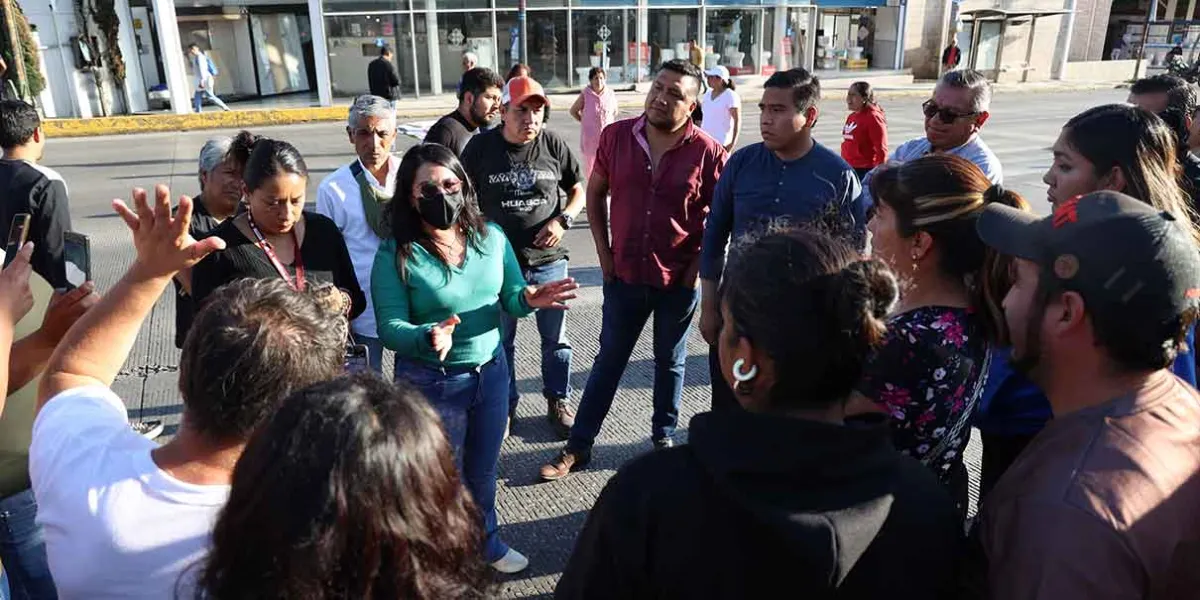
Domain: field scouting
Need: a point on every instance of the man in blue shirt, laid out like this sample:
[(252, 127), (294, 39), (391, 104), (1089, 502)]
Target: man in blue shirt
[(787, 177), (953, 118)]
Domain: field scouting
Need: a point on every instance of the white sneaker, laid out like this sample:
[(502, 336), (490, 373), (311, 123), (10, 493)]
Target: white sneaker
[(148, 429), (512, 562)]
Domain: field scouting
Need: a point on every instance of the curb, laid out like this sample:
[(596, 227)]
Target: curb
[(97, 126)]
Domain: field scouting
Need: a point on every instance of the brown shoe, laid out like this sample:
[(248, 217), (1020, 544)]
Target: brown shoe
[(561, 416), (566, 462)]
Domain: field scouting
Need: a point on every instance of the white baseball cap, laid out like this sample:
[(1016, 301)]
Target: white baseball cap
[(718, 71)]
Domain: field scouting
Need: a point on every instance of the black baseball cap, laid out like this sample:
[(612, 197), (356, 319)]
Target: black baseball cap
[(1112, 249)]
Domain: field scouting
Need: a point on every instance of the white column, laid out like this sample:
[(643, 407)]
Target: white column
[(320, 53), (1172, 8), (431, 46), (900, 33), (178, 84), (135, 85), (779, 54), (1064, 41)]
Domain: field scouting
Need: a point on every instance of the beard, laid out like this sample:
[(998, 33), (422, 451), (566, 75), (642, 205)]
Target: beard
[(1029, 361), (479, 118)]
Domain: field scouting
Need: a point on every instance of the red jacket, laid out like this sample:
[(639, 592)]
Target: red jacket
[(864, 138)]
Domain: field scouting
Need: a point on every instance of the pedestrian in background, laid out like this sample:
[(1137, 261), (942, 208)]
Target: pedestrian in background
[(479, 95), (441, 283), (518, 70), (722, 108), (205, 72), (951, 56), (382, 78), (469, 61), (595, 109), (864, 137)]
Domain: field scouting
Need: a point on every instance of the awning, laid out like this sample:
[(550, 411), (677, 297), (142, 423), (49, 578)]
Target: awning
[(996, 14)]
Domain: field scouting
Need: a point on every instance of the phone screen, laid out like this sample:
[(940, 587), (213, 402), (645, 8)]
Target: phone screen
[(17, 234), (77, 252)]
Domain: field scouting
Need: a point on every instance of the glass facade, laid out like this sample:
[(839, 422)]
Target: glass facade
[(566, 38)]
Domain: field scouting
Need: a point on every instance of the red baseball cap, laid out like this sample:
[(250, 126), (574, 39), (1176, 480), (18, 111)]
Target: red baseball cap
[(520, 89)]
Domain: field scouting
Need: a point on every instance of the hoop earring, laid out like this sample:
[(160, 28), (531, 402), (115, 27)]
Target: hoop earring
[(743, 377)]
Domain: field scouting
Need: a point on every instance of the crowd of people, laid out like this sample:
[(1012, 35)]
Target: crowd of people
[(864, 313)]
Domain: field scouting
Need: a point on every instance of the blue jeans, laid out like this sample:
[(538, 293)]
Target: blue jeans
[(627, 307), (23, 550), (552, 327), (473, 405), (200, 95), (374, 350)]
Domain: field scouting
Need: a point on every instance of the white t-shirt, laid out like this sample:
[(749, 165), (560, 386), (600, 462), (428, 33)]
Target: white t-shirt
[(115, 525), (339, 199), (718, 121)]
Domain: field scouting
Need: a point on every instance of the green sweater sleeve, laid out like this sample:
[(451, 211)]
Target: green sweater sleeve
[(392, 310), (512, 292)]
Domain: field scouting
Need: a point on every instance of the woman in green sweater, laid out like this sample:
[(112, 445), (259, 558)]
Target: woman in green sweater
[(439, 286)]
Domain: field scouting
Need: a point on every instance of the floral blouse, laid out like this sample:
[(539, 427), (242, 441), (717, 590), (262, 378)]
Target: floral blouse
[(928, 375)]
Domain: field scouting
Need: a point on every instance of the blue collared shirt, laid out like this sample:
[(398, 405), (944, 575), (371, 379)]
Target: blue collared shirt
[(975, 150), (757, 188)]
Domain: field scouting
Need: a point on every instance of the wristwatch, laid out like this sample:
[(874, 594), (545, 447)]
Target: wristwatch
[(567, 220)]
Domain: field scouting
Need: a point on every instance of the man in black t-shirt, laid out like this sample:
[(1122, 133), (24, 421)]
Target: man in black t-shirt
[(382, 79), (478, 103), (28, 187), (520, 171)]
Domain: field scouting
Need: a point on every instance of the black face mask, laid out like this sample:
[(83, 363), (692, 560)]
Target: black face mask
[(440, 209)]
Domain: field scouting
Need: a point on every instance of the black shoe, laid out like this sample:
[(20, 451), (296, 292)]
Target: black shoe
[(664, 443)]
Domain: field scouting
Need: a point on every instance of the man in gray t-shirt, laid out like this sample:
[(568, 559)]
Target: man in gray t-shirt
[(1103, 502)]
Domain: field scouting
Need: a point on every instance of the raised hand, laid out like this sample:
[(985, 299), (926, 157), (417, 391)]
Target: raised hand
[(16, 297), (163, 244), (553, 295), (441, 337)]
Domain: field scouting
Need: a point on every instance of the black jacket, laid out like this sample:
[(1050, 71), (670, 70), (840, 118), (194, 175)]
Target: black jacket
[(760, 506), (29, 188), (383, 79)]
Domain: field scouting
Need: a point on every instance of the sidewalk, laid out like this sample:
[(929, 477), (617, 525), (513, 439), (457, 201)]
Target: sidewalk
[(432, 107)]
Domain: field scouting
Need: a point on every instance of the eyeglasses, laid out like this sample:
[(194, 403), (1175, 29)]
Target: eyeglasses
[(447, 186), (947, 115)]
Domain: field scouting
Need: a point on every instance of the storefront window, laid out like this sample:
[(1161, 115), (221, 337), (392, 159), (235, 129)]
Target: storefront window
[(354, 42), (462, 32), (669, 31), (733, 35), (547, 45), (601, 38), (345, 6), (450, 4)]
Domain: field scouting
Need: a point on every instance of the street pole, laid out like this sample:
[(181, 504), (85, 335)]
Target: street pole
[(1137, 66), (523, 26), (1060, 70)]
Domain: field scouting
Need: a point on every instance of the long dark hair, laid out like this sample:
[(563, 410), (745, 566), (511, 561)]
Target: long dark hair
[(406, 223), (813, 306), (943, 195), (348, 491), (260, 158), (1142, 146)]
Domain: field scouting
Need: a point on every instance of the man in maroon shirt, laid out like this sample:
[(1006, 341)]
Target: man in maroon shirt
[(660, 171)]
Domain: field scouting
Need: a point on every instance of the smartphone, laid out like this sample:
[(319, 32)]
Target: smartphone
[(18, 233), (356, 358), (77, 253)]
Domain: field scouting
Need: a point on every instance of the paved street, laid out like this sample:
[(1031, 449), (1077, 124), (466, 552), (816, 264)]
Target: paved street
[(540, 520)]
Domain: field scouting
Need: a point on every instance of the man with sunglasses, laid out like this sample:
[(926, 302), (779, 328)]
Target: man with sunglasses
[(953, 118), (354, 196), (521, 173)]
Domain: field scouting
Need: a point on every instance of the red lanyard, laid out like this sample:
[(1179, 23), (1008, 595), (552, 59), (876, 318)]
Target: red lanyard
[(298, 284)]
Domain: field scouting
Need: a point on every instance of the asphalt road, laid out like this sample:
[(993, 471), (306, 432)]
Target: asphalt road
[(540, 520)]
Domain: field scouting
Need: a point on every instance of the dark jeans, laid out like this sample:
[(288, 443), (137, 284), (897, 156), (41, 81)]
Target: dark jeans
[(722, 395), (999, 453), (552, 327), (473, 405), (627, 307), (23, 550)]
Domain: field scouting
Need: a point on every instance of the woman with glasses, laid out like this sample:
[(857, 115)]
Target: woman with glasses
[(275, 237), (440, 285)]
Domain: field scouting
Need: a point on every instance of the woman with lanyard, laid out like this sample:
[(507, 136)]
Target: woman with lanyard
[(275, 237), (439, 285)]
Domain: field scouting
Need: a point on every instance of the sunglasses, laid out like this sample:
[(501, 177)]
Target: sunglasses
[(947, 115), (448, 186)]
